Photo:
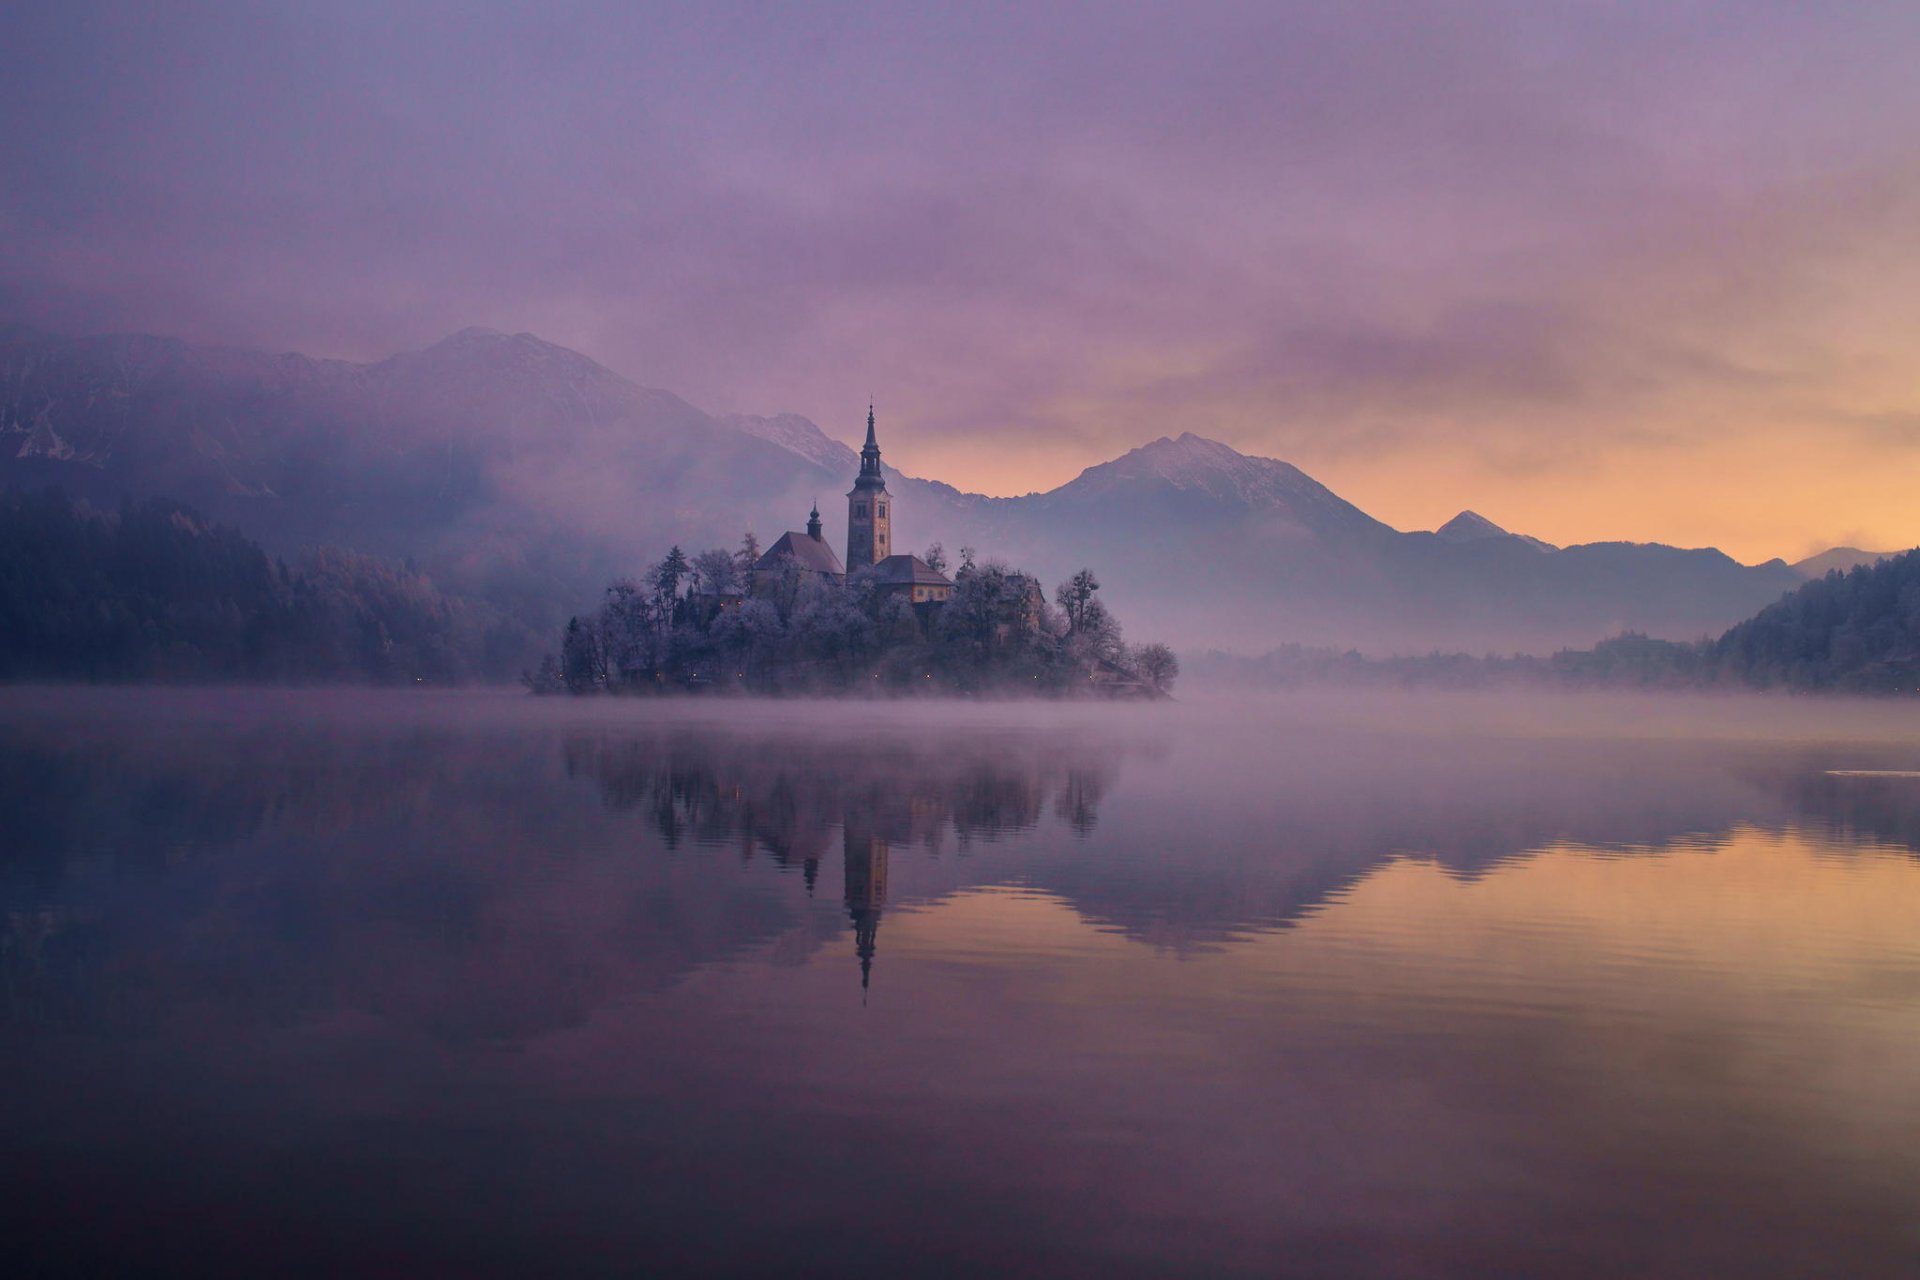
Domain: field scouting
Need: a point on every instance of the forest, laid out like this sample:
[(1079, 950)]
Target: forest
[(154, 591)]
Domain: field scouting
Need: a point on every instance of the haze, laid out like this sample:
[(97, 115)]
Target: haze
[(1634, 271)]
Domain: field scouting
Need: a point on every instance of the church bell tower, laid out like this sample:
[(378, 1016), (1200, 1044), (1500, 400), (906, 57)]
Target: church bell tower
[(869, 509)]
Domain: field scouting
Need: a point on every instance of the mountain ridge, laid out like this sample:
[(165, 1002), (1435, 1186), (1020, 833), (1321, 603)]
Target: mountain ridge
[(1841, 558), (518, 466)]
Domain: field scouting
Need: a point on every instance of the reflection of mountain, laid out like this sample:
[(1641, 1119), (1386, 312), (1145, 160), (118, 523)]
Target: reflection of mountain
[(507, 873)]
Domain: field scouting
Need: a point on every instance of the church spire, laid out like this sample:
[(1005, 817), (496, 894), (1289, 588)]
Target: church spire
[(813, 522), (870, 454), (869, 522)]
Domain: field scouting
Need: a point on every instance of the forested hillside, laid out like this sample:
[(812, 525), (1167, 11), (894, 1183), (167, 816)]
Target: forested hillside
[(156, 592), (1855, 630)]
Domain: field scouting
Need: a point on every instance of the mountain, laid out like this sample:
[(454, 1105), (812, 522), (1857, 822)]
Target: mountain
[(1471, 526), (1221, 548), (1841, 558), (506, 465), (798, 435), (518, 471)]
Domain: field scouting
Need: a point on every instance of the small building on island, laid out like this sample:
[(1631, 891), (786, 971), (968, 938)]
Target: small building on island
[(914, 579), (869, 543), (808, 553)]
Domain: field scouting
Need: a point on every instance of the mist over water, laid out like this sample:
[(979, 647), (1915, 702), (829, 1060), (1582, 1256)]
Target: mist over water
[(1308, 985)]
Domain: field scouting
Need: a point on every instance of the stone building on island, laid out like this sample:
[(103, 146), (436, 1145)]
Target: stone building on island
[(869, 542), (808, 552)]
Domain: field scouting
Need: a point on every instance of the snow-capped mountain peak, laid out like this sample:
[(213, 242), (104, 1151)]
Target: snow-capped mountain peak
[(1471, 526), (797, 435), (1194, 468)]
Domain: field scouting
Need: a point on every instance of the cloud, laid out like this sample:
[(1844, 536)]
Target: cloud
[(1536, 235)]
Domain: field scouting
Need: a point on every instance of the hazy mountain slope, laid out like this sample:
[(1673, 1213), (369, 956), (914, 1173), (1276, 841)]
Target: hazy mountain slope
[(1841, 558), (1209, 546), (801, 436), (507, 464), (527, 473)]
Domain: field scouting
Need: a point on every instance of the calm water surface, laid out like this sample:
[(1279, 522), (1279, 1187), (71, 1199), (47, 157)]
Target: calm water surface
[(341, 984)]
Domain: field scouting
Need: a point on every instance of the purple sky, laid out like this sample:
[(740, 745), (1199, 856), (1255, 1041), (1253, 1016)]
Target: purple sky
[(1607, 270)]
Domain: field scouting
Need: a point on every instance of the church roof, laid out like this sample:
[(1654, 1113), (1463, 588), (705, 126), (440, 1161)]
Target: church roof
[(909, 571), (811, 554)]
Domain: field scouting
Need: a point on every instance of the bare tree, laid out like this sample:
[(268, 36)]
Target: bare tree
[(1157, 665)]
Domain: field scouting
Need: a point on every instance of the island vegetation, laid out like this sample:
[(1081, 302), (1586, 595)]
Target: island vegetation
[(712, 622)]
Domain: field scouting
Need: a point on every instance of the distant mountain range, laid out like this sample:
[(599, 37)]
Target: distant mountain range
[(526, 473)]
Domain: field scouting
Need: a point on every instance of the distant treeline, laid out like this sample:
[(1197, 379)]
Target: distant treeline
[(155, 592), (1857, 631), (706, 623)]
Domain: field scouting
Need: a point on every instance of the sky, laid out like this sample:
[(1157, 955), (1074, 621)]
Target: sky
[(1596, 271)]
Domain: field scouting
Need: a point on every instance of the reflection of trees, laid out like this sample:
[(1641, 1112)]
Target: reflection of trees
[(1079, 800), (1883, 808), (447, 876), (786, 795), (476, 882)]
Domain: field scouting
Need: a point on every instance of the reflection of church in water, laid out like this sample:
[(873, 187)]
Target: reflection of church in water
[(781, 797), (866, 875)]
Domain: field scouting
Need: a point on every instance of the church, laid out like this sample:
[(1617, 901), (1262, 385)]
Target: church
[(869, 542)]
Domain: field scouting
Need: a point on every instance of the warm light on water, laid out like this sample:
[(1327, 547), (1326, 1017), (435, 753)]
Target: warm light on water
[(1318, 987)]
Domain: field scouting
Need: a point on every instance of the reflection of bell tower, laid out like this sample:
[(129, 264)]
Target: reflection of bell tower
[(869, 523), (866, 864)]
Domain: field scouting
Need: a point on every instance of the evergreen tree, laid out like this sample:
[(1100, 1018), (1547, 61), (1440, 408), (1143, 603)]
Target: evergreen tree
[(748, 555)]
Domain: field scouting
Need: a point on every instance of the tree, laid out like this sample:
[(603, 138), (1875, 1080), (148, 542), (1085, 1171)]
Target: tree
[(784, 587), (1092, 634), (546, 679), (716, 573), (936, 558), (751, 637), (666, 578), (1157, 665), (1075, 598), (626, 630), (748, 554), (666, 591), (581, 664)]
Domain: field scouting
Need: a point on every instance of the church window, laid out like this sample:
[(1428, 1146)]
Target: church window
[(880, 510), (859, 511)]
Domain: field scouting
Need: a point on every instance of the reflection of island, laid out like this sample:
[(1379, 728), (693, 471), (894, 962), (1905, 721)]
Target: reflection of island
[(785, 797), (489, 880)]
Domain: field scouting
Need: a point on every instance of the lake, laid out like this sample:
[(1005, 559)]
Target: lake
[(1312, 985)]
